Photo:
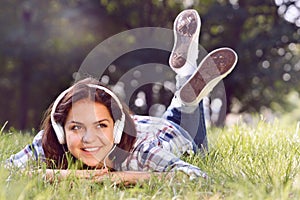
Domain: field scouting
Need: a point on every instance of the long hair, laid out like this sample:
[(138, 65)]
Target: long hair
[(57, 155)]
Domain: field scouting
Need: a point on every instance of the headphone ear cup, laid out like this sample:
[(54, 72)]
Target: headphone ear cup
[(60, 133), (118, 131)]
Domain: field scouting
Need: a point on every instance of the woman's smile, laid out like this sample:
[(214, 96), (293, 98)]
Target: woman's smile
[(91, 149)]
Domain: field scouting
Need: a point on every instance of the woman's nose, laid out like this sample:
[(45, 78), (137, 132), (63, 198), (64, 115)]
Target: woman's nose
[(88, 137)]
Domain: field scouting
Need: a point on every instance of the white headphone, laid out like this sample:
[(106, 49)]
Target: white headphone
[(118, 126)]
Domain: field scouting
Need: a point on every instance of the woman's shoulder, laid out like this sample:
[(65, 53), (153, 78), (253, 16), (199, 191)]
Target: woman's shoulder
[(38, 136)]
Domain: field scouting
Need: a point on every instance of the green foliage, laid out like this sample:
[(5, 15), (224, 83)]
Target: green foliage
[(268, 49), (42, 45), (258, 162), (132, 13), (293, 114)]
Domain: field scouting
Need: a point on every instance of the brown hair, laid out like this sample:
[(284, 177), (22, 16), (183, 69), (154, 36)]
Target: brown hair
[(56, 153)]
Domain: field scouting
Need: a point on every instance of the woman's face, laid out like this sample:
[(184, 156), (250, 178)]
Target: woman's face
[(89, 131)]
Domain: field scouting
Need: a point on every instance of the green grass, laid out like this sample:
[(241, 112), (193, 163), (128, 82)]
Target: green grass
[(244, 162)]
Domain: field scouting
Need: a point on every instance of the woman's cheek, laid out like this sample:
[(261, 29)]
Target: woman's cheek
[(73, 141)]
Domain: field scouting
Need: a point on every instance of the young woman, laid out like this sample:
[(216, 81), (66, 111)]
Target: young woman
[(88, 123)]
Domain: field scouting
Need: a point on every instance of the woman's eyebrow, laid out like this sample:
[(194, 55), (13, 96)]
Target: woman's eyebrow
[(102, 120), (97, 122), (73, 122)]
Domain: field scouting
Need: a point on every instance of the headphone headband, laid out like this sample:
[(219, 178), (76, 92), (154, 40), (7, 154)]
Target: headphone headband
[(118, 126)]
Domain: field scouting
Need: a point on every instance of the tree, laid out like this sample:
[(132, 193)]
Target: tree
[(43, 44), (267, 45)]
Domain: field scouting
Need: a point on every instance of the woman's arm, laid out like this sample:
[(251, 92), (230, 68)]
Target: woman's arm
[(119, 177), (31, 152), (61, 174)]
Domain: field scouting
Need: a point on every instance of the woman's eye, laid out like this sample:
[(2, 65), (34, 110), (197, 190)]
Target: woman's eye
[(102, 125), (75, 128)]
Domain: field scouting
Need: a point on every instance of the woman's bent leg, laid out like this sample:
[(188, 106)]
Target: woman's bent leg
[(190, 118)]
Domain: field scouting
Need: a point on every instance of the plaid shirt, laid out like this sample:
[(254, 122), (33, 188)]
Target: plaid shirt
[(32, 152), (158, 147)]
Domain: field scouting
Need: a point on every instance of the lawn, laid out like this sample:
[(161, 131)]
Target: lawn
[(244, 162)]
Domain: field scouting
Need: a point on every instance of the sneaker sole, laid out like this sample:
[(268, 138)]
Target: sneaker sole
[(186, 31), (212, 69)]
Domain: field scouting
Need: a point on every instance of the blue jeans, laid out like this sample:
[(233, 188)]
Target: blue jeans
[(192, 122)]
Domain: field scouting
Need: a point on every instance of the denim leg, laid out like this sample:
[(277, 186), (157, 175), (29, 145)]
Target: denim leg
[(193, 123)]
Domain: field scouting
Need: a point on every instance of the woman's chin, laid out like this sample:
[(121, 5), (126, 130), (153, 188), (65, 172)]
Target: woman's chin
[(93, 164)]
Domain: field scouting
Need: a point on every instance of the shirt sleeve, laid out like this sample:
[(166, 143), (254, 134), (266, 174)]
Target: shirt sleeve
[(155, 158), (159, 147), (31, 152)]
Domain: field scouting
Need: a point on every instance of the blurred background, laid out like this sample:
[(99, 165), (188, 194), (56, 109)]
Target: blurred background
[(43, 44)]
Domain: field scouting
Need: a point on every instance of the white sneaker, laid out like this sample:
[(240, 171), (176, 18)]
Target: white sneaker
[(213, 68), (183, 59)]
